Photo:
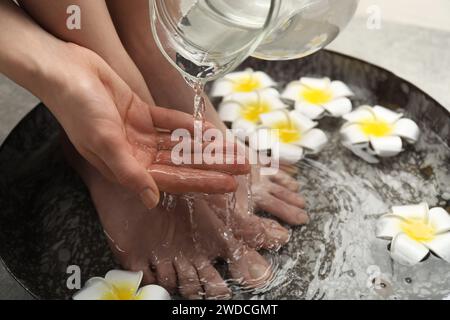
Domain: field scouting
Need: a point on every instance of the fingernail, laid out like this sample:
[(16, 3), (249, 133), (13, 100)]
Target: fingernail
[(150, 198), (302, 218)]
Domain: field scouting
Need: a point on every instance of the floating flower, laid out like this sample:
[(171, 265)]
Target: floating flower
[(120, 285), (289, 135), (316, 97), (377, 131), (414, 231), (241, 82), (243, 110)]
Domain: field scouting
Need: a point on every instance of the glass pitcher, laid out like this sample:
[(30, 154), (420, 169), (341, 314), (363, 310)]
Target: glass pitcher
[(204, 39)]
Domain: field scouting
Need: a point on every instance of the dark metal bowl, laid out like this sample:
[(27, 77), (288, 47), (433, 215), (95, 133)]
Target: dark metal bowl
[(47, 220)]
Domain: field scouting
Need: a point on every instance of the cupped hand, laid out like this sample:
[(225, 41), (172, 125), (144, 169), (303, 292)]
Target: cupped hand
[(127, 140)]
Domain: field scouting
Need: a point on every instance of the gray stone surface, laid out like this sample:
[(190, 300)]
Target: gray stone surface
[(417, 54)]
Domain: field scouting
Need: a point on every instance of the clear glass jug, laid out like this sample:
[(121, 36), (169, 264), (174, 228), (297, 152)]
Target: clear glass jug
[(205, 39)]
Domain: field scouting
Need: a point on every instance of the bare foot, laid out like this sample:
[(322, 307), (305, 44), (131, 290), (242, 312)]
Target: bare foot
[(177, 248), (277, 195)]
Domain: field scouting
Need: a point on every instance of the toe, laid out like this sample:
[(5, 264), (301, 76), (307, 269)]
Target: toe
[(148, 277), (213, 284), (166, 276), (288, 213), (250, 269), (275, 235), (283, 179), (188, 280), (290, 197), (261, 233)]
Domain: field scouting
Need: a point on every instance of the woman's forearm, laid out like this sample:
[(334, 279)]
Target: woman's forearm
[(25, 50), (96, 33), (166, 84)]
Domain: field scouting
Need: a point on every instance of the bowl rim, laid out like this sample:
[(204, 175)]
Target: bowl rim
[(30, 113)]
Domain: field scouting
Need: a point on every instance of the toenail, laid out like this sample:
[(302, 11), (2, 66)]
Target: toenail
[(302, 218), (257, 271), (279, 233)]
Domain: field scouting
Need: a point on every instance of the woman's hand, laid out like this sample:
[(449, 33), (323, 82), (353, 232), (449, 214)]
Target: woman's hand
[(115, 130)]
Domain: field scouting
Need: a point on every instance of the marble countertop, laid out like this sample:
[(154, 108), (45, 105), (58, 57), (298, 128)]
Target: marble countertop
[(419, 55)]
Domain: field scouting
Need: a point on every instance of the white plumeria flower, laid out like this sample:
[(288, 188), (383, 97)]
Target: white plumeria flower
[(243, 110), (377, 131), (120, 285), (316, 97), (241, 82), (414, 230), (289, 135)]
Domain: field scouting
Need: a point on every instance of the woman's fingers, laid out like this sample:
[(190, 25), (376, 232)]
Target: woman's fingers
[(172, 120), (114, 151), (219, 162), (183, 180)]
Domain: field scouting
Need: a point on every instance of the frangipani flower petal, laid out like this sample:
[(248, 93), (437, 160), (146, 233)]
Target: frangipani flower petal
[(99, 289), (241, 81), (311, 111), (338, 107), (388, 227), (418, 211), (407, 251), (439, 219), (314, 140), (126, 280), (229, 111), (243, 128), (244, 109), (352, 133), (440, 245), (382, 127), (340, 89), (314, 96), (360, 114), (273, 118), (386, 146), (153, 292), (362, 150), (262, 139), (288, 153), (316, 83), (292, 91), (407, 129), (303, 123), (222, 88), (385, 114)]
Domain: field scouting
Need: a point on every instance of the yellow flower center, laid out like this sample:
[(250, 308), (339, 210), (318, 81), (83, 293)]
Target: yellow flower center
[(252, 110), (418, 230), (316, 96), (287, 132), (376, 128), (247, 83), (120, 293)]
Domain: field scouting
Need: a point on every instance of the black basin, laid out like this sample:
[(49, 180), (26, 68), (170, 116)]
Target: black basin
[(48, 222)]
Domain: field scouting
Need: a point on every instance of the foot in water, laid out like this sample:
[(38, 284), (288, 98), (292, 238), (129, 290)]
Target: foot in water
[(276, 194), (175, 248)]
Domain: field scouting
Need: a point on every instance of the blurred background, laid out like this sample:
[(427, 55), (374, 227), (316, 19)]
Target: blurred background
[(412, 40), (408, 37)]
